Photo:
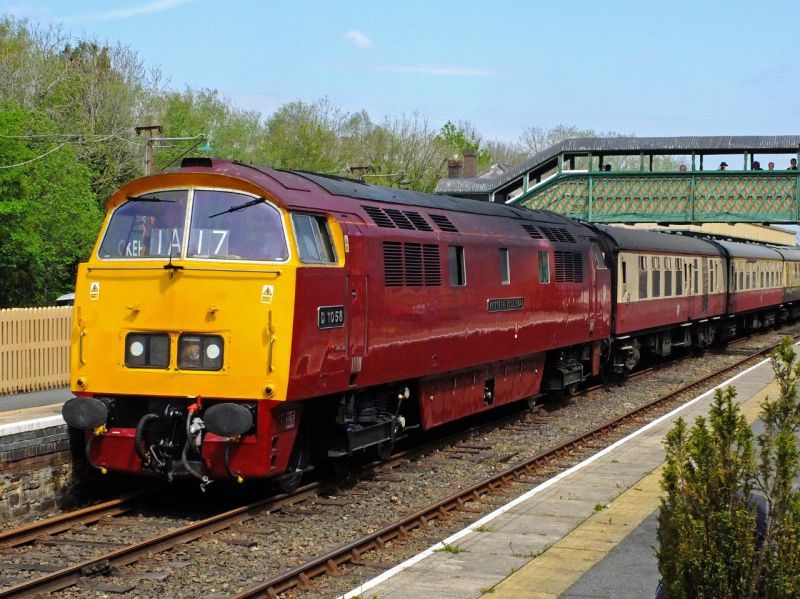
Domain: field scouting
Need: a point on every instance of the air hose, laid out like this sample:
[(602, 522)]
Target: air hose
[(139, 442)]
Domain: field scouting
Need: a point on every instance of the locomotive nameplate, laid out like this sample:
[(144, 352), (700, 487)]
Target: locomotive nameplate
[(330, 317), (505, 304)]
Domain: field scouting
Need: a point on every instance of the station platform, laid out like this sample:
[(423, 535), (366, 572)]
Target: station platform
[(589, 532), (28, 411)]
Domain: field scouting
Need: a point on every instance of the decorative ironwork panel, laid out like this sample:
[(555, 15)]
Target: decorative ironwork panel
[(746, 197), (705, 196)]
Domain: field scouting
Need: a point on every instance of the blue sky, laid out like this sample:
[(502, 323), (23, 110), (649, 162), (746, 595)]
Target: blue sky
[(667, 68)]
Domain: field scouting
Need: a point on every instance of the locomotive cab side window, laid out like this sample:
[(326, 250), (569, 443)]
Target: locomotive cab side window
[(313, 239)]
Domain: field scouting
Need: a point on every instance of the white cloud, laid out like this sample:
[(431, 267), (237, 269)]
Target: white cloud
[(358, 38), (440, 70), (120, 14)]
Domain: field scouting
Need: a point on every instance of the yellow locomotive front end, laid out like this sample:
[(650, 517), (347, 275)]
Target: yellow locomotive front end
[(182, 332)]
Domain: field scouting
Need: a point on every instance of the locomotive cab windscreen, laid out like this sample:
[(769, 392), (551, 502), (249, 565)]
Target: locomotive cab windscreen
[(223, 225)]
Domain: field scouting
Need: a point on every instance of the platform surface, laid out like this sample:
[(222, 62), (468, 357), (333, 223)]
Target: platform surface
[(587, 533), (24, 412)]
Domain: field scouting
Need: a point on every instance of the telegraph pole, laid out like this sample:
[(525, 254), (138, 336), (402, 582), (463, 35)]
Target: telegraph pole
[(148, 144)]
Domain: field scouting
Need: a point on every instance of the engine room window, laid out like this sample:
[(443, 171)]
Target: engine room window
[(544, 267), (505, 267), (313, 239), (458, 273), (232, 226), (147, 226)]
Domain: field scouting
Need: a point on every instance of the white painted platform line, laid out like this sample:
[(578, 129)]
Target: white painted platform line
[(548, 483), (31, 425)]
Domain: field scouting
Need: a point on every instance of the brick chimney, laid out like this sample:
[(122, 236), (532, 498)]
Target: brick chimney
[(470, 164), (454, 168)]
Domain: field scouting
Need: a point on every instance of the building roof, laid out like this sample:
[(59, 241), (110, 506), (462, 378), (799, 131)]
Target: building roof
[(611, 146)]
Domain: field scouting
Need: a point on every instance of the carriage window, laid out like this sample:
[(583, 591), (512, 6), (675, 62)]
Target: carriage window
[(642, 279), (656, 283), (544, 267), (624, 272), (505, 267), (458, 273), (668, 276), (696, 277), (147, 226), (233, 226), (679, 278)]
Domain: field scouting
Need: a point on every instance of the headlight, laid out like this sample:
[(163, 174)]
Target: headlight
[(200, 352), (146, 350)]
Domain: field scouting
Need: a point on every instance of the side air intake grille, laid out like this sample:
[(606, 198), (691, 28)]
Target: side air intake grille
[(378, 217), (391, 218), (569, 267), (558, 234), (443, 223), (393, 263), (398, 218), (433, 268), (419, 222), (411, 264), (533, 231)]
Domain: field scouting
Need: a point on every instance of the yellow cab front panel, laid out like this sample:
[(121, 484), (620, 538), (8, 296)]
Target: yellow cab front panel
[(185, 305)]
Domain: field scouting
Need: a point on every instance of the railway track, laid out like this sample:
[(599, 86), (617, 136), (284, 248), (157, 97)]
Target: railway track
[(353, 552), (87, 571)]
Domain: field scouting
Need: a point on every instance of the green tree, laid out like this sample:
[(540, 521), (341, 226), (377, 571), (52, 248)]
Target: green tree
[(233, 133), (47, 223), (710, 541), (456, 139), (706, 525)]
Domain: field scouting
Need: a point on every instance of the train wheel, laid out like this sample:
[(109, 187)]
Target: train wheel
[(384, 450), (570, 390), (298, 464)]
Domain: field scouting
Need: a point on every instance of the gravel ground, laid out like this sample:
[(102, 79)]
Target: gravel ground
[(268, 544)]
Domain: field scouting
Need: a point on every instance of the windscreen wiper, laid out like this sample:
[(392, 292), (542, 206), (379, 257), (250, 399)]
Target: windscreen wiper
[(146, 199), (239, 207)]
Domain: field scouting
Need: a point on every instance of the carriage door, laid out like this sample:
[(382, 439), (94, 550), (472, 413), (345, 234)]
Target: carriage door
[(356, 297), (704, 308)]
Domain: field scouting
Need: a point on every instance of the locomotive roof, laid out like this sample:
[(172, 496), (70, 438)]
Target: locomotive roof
[(737, 249), (658, 241), (352, 188), (341, 186)]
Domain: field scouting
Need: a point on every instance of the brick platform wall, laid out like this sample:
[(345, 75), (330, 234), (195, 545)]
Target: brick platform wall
[(36, 475)]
